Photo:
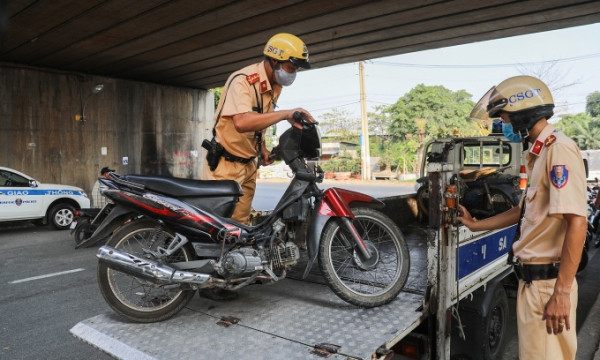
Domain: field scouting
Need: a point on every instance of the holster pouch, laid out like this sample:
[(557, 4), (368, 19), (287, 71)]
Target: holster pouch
[(214, 151)]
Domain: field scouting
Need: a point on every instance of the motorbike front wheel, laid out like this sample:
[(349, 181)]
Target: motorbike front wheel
[(371, 282), (134, 298)]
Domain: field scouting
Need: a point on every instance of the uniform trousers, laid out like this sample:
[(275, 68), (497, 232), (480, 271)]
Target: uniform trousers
[(534, 341), (243, 174)]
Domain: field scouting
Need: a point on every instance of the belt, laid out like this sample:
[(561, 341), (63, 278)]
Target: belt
[(532, 272), (232, 158)]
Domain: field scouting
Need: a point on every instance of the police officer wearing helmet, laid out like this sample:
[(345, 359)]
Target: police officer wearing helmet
[(552, 219), (247, 107)]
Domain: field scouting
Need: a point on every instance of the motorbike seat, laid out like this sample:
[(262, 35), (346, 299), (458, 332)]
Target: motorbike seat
[(179, 187), (474, 175)]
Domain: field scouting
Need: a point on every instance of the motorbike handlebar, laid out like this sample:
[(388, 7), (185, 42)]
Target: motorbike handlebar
[(298, 118)]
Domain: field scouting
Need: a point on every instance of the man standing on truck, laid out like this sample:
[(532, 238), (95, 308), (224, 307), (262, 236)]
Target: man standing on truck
[(553, 224), (246, 108)]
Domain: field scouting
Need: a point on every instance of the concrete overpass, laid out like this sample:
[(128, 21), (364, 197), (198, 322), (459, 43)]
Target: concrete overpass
[(155, 56)]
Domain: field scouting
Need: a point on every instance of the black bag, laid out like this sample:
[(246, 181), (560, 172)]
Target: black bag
[(214, 151)]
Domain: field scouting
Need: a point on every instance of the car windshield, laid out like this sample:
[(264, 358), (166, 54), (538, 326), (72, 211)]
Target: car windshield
[(8, 178)]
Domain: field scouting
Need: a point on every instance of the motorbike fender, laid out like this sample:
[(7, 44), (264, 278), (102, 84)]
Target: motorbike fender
[(116, 217), (335, 202)]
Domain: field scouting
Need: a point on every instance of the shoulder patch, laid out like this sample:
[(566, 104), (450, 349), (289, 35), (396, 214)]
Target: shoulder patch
[(252, 78), (537, 147), (550, 140), (559, 176)]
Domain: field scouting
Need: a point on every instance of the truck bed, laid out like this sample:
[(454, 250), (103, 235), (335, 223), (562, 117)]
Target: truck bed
[(284, 320)]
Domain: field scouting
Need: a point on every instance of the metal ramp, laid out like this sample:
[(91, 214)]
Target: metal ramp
[(284, 320)]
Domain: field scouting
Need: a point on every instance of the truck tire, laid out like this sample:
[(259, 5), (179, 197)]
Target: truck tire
[(495, 326), (61, 216)]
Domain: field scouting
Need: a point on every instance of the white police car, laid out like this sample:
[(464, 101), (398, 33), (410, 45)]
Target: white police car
[(23, 198)]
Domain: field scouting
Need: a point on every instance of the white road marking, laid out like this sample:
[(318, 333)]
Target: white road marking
[(47, 275)]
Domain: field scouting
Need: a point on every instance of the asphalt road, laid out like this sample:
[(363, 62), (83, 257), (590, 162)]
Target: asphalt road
[(36, 314)]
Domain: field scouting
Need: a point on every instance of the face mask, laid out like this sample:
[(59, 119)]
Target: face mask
[(284, 78), (507, 130)]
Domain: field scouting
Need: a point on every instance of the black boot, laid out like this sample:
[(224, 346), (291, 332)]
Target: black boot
[(218, 294)]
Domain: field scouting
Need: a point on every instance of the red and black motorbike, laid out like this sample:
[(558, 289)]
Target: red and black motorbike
[(174, 236)]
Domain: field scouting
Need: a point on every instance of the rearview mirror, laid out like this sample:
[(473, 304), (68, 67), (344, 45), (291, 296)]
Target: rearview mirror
[(33, 183)]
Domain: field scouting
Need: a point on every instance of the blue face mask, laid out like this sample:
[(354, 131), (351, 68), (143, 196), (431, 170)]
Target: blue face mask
[(507, 130)]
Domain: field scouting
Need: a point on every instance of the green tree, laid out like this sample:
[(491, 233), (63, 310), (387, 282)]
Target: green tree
[(340, 123), (379, 122), (588, 137), (567, 124), (444, 110), (217, 91), (592, 105)]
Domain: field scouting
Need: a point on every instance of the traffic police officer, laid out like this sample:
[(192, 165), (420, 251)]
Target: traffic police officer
[(553, 226), (246, 107)]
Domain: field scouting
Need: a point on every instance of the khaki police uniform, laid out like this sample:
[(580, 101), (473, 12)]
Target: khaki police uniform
[(237, 98), (556, 187)]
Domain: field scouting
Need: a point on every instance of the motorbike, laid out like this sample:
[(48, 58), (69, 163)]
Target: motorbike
[(86, 221), (483, 192), (178, 238)]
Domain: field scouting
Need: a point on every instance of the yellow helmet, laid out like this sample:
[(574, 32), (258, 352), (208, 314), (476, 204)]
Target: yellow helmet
[(525, 99), (287, 47)]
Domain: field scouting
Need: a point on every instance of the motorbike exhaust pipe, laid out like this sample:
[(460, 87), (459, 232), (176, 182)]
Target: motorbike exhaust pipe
[(147, 269)]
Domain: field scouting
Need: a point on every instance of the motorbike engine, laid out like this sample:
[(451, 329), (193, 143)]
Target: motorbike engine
[(245, 261), (282, 256)]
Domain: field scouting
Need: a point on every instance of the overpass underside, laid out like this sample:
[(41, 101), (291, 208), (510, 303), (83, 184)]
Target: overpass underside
[(157, 57)]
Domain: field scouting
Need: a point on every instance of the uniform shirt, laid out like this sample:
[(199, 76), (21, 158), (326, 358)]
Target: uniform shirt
[(557, 186), (239, 98)]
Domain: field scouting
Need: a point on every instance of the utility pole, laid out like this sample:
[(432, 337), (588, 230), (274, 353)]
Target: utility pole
[(365, 152)]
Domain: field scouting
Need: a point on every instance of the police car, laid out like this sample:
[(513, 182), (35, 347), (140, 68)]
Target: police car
[(23, 198)]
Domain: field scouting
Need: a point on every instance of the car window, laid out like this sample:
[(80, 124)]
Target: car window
[(11, 179), (491, 154)]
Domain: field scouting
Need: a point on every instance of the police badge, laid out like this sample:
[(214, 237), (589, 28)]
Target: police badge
[(559, 175)]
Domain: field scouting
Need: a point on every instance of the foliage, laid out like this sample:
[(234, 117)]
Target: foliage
[(443, 111), (341, 165), (340, 123), (379, 121), (588, 136), (567, 123), (217, 91), (592, 105)]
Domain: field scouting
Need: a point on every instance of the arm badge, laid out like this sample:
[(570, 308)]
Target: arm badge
[(251, 79), (549, 140), (559, 176)]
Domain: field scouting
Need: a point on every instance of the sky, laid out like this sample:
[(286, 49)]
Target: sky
[(474, 67)]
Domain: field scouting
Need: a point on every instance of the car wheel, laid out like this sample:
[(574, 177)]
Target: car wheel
[(61, 216)]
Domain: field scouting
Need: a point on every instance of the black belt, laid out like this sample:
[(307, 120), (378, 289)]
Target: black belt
[(232, 158), (532, 272)]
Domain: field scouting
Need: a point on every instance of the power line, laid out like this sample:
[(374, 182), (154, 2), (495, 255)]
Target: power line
[(484, 66)]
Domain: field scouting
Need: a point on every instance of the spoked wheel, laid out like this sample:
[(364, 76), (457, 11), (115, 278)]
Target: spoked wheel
[(134, 298), (361, 282)]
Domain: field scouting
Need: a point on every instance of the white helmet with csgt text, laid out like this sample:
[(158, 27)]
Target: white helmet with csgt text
[(525, 99)]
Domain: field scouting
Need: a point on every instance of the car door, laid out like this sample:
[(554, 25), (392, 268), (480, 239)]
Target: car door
[(17, 198)]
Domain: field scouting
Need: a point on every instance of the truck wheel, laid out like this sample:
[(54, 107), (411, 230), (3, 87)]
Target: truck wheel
[(495, 326), (372, 282), (61, 216)]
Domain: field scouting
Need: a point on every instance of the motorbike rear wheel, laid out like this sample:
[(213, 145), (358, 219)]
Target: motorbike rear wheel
[(365, 286), (134, 298)]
